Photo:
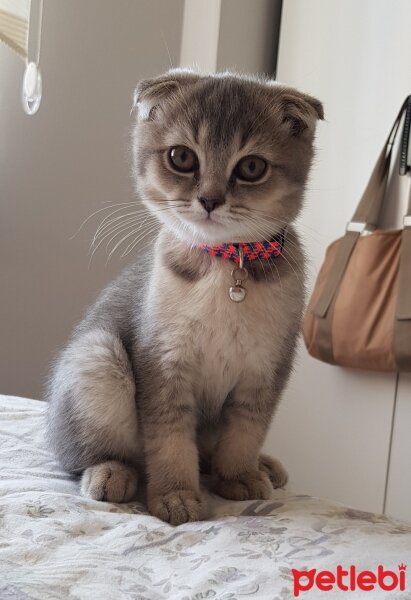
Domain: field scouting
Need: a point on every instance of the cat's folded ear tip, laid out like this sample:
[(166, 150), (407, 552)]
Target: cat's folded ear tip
[(315, 104), (291, 94), (319, 109)]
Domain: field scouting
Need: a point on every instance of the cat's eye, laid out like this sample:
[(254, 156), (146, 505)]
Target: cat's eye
[(182, 159), (250, 168)]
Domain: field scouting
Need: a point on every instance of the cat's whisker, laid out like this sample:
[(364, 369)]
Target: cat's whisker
[(287, 261), (138, 240), (271, 261), (138, 225), (94, 249), (108, 218), (167, 49), (140, 235), (142, 220), (262, 266), (121, 206), (262, 225), (138, 215), (122, 219), (298, 224), (112, 224), (96, 213), (124, 238), (254, 233), (114, 232), (288, 248), (143, 247)]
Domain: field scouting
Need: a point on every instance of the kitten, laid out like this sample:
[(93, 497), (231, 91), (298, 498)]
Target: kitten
[(166, 371)]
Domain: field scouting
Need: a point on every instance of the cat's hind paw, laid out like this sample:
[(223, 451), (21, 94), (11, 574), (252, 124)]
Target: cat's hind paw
[(251, 485), (274, 469)]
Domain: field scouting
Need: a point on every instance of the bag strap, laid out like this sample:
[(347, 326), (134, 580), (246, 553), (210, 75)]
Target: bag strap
[(403, 311), (404, 167), (402, 326), (365, 216)]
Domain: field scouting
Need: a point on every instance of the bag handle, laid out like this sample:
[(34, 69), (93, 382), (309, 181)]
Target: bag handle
[(369, 207), (404, 167), (402, 325), (366, 215)]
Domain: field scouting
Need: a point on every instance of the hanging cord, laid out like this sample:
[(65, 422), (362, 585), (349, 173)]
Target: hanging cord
[(32, 81), (39, 31)]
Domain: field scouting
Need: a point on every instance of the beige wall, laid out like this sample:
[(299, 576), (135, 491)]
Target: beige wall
[(65, 162), (231, 34), (72, 158), (249, 35)]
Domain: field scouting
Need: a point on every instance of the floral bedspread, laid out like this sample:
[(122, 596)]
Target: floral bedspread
[(54, 544)]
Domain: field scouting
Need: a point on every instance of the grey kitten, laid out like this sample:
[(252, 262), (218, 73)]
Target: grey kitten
[(166, 373)]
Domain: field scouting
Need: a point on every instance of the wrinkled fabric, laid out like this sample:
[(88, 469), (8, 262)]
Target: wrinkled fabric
[(55, 544)]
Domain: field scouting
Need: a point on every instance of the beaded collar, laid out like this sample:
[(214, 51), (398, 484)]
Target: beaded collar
[(250, 250)]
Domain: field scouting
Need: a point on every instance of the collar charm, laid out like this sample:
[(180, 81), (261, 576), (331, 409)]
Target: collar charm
[(237, 292), (242, 252)]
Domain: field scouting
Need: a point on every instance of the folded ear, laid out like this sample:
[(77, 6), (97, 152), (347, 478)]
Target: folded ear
[(300, 111), (149, 93)]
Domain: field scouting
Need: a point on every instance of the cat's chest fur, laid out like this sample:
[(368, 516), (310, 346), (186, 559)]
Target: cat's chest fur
[(217, 342)]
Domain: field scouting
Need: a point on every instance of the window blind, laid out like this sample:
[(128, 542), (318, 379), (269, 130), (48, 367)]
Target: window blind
[(14, 25)]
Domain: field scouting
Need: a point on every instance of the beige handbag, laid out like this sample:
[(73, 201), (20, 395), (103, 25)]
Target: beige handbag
[(359, 314)]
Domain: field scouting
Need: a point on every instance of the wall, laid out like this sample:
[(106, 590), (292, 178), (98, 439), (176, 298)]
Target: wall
[(72, 158), (249, 35), (333, 429), (231, 34), (69, 160)]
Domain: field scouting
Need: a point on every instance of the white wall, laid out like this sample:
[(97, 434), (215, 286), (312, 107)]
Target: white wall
[(65, 162), (333, 427), (398, 497)]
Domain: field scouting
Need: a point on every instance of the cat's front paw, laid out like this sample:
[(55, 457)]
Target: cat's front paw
[(252, 485), (111, 481), (178, 506)]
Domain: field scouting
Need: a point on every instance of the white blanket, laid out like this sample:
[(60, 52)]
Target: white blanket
[(55, 544)]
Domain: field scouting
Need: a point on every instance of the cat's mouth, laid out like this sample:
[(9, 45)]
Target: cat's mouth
[(210, 228), (207, 221), (203, 227)]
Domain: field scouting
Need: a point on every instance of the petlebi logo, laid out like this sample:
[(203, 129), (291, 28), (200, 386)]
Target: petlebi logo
[(349, 579)]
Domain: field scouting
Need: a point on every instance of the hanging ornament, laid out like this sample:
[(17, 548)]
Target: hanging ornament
[(31, 90), (32, 83)]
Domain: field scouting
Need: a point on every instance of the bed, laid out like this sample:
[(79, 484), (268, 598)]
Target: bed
[(55, 544)]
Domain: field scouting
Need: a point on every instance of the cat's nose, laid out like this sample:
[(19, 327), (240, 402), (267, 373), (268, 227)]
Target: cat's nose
[(210, 204)]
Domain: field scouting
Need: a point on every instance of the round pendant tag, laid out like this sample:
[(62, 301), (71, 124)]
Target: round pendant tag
[(237, 293), (31, 92)]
